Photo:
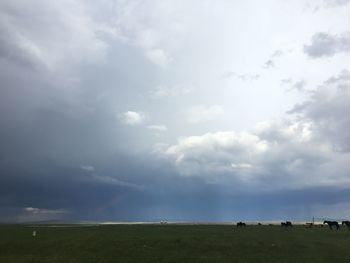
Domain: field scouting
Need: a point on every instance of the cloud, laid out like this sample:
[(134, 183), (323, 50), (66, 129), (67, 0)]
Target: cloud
[(228, 74), (132, 118), (249, 77), (35, 210), (159, 57), (67, 68), (59, 43), (88, 168), (327, 45), (298, 85), (157, 128), (243, 77), (61, 192), (138, 27), (241, 165), (333, 3), (269, 64), (342, 80), (112, 181), (327, 108), (163, 91), (277, 152), (214, 153), (286, 81), (277, 53), (34, 214), (203, 113), (64, 41)]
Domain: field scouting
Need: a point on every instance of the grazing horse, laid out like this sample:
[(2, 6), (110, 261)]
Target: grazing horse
[(347, 223), (241, 224), (331, 224), (286, 224)]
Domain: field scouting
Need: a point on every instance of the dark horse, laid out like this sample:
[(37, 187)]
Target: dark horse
[(331, 224), (241, 224), (286, 224), (347, 223)]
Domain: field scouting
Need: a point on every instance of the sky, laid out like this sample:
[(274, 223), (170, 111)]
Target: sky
[(130, 110)]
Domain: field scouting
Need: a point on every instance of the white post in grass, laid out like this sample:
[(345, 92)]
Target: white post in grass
[(34, 233)]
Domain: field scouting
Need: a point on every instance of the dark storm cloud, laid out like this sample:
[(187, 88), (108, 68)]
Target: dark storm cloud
[(68, 70), (53, 192), (45, 154), (327, 45), (58, 113)]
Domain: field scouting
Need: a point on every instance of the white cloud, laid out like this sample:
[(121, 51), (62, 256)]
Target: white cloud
[(159, 57), (132, 118), (291, 131), (280, 152), (216, 152), (157, 128), (203, 113)]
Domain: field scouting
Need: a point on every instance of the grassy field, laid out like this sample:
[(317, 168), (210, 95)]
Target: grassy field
[(173, 243)]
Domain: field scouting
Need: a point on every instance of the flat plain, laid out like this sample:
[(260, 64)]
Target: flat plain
[(172, 243)]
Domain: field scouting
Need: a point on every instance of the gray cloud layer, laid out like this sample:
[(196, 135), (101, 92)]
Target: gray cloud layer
[(93, 99)]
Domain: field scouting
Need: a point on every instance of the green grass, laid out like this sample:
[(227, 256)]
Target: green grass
[(173, 243)]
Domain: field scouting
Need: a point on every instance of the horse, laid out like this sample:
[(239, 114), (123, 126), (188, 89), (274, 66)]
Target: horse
[(347, 223), (286, 224), (241, 224), (331, 224)]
